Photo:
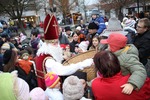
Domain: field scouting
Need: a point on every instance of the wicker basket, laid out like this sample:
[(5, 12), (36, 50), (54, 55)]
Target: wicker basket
[(91, 72)]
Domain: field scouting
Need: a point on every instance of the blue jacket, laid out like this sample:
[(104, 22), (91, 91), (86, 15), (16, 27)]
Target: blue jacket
[(101, 23)]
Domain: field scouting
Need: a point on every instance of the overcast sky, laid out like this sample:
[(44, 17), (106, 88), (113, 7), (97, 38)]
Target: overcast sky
[(89, 2)]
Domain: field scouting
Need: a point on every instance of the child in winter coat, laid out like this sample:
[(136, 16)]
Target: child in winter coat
[(129, 61), (24, 62), (52, 82), (109, 86), (29, 68)]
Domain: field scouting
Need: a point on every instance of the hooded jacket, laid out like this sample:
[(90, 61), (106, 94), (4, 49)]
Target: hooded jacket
[(130, 64)]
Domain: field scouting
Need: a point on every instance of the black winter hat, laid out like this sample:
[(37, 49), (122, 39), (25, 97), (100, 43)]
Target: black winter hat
[(67, 29), (93, 25), (3, 22), (4, 35), (7, 56)]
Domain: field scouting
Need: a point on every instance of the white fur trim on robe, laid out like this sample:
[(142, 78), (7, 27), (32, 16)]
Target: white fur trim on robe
[(55, 51)]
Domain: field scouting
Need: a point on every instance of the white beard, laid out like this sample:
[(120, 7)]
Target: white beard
[(55, 51)]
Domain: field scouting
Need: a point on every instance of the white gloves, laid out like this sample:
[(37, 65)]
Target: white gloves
[(86, 63)]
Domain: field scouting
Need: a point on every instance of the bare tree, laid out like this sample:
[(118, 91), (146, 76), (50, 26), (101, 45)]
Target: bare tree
[(14, 8), (82, 5), (42, 4), (64, 6), (115, 4)]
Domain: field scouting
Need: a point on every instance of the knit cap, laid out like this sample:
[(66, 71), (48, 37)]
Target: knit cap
[(73, 88), (84, 45), (78, 28), (5, 46), (26, 55), (93, 25), (51, 79), (38, 94)]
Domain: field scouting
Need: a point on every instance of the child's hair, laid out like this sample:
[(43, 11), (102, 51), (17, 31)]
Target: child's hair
[(97, 37), (35, 34), (9, 59), (29, 49), (22, 53)]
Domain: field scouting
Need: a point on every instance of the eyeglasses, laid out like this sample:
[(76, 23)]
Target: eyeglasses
[(139, 26)]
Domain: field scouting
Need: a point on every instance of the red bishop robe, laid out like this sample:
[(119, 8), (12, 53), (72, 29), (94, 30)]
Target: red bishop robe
[(41, 70)]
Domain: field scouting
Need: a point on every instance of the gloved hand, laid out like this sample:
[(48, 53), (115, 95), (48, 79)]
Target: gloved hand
[(86, 63)]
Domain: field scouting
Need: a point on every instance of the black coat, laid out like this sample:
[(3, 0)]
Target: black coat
[(72, 46), (29, 78), (142, 42)]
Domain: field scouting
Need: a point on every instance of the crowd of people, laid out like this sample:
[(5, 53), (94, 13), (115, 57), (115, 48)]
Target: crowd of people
[(33, 69)]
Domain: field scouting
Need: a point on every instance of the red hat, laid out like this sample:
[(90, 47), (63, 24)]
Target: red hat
[(63, 46), (116, 41), (50, 27)]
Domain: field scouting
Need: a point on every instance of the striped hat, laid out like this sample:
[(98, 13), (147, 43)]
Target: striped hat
[(51, 79)]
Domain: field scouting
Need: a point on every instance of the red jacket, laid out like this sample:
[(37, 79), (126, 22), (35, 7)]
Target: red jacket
[(109, 89), (39, 70)]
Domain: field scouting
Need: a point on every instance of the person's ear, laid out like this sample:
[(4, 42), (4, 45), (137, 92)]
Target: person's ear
[(83, 82)]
